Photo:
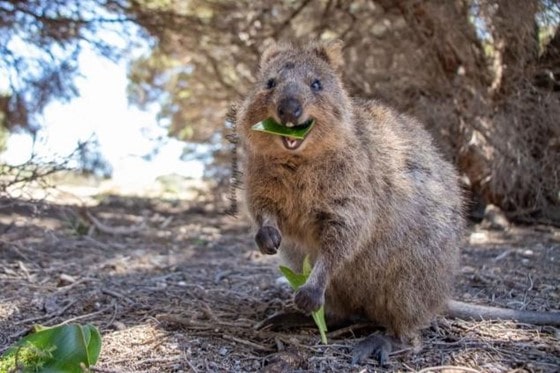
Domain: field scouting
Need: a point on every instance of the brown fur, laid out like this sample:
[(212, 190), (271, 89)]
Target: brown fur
[(366, 195)]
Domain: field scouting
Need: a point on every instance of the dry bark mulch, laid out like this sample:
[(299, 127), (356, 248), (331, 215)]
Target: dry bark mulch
[(179, 287)]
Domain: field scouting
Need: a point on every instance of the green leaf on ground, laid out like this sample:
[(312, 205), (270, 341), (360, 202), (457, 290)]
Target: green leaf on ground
[(62, 349)]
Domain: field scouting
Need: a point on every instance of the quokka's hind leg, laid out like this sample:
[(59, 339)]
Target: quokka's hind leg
[(403, 317), (379, 346)]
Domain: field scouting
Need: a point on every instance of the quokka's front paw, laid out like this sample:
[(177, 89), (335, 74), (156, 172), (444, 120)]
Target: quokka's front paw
[(268, 239), (309, 298)]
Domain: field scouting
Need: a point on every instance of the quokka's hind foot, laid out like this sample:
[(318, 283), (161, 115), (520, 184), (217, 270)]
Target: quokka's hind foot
[(377, 346)]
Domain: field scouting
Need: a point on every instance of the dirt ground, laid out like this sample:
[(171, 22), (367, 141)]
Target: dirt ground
[(179, 287)]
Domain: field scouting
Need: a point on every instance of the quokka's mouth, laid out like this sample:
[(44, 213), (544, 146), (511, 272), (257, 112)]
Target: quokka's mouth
[(292, 143), (292, 135)]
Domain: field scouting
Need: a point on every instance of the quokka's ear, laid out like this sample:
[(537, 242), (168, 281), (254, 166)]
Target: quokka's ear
[(272, 51), (330, 51)]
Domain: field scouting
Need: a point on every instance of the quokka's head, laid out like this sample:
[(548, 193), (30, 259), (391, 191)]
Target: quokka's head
[(295, 86)]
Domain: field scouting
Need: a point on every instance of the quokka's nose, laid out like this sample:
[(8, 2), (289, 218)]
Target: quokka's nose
[(289, 111)]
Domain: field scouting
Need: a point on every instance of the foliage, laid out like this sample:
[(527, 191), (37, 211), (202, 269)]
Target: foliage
[(296, 281), (481, 74), (17, 177), (86, 159), (3, 136), (63, 349), (90, 159), (39, 46)]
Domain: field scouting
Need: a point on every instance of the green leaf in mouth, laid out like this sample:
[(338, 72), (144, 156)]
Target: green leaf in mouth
[(271, 126)]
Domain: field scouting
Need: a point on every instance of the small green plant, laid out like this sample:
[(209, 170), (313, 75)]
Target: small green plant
[(297, 280), (62, 349)]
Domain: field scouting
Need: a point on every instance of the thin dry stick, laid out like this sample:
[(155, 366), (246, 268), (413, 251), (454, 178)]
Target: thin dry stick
[(97, 243), (68, 287), (348, 329), (113, 230), (115, 312), (208, 312), (16, 248), (149, 361), (117, 295), (103, 370), (448, 367), (248, 343), (189, 323), (50, 315), (190, 364), (85, 316)]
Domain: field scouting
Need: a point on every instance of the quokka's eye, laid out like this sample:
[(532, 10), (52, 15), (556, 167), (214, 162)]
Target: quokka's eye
[(271, 83), (316, 85)]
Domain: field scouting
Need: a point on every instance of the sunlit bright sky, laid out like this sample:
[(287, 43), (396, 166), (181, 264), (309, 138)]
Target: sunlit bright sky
[(125, 133)]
